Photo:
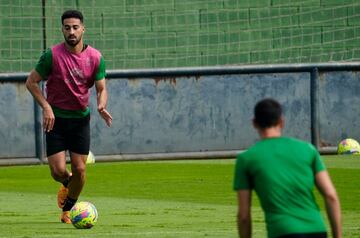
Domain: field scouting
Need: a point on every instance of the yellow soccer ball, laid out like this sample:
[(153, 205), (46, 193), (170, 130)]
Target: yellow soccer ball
[(348, 146), (91, 158)]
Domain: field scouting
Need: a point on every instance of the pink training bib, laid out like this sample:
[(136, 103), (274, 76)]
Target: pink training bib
[(71, 77)]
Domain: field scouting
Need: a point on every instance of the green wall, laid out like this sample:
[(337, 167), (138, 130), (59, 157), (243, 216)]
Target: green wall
[(177, 33)]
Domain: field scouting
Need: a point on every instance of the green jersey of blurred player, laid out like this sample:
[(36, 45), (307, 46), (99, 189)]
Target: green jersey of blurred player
[(283, 172)]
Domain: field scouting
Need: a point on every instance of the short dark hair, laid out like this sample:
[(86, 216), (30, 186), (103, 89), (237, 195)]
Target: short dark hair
[(72, 14), (267, 113)]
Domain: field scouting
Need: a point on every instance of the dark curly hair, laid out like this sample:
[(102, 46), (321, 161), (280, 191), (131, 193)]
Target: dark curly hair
[(72, 14)]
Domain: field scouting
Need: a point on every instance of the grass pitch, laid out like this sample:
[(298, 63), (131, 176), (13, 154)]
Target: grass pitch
[(152, 199)]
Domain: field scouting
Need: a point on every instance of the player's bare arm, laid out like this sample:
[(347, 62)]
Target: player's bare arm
[(332, 203), (101, 94), (244, 215), (32, 84)]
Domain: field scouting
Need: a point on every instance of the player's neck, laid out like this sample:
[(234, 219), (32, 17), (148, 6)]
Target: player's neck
[(270, 132), (75, 49)]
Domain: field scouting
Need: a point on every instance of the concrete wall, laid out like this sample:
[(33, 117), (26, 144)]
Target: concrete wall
[(17, 134), (191, 114), (195, 113), (339, 106)]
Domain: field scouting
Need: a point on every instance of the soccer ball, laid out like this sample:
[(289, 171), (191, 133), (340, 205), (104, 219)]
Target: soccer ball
[(83, 215), (91, 158), (348, 146)]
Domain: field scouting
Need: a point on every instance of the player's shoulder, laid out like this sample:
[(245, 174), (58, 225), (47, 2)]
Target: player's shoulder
[(46, 54), (268, 144), (298, 141), (249, 152), (57, 47), (93, 50), (301, 143)]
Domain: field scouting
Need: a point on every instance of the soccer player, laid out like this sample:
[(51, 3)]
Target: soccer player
[(283, 172), (70, 69)]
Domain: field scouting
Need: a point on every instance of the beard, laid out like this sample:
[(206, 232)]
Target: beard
[(72, 40)]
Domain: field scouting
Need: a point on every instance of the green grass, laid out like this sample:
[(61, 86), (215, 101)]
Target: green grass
[(151, 199)]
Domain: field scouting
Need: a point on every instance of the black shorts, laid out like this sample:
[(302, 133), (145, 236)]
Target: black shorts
[(71, 134), (306, 235)]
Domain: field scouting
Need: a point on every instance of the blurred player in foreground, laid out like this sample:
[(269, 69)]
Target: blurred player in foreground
[(71, 68), (283, 172)]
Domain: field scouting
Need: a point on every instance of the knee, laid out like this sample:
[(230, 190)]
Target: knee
[(58, 175), (79, 170)]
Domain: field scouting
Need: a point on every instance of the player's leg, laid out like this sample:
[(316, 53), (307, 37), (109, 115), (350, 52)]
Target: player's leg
[(57, 164), (78, 167), (75, 186), (56, 145), (79, 143)]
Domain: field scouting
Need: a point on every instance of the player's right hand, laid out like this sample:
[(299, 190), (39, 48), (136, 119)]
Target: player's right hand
[(48, 119)]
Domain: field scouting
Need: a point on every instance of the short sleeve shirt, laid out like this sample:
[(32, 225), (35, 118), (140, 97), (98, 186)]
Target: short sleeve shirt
[(76, 94), (282, 173)]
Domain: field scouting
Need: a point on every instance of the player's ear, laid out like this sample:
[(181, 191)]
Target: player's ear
[(254, 123), (282, 122)]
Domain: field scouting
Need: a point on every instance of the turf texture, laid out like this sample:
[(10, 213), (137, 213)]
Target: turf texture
[(190, 198)]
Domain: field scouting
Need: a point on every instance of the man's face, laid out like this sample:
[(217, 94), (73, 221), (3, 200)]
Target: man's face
[(73, 30)]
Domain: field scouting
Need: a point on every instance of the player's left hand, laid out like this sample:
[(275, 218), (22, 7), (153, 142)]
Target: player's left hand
[(106, 116)]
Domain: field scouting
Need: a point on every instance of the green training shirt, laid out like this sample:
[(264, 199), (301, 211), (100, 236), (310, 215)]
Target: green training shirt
[(282, 172), (44, 67)]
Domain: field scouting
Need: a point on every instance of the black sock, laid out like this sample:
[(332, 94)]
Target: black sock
[(69, 203), (66, 182)]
